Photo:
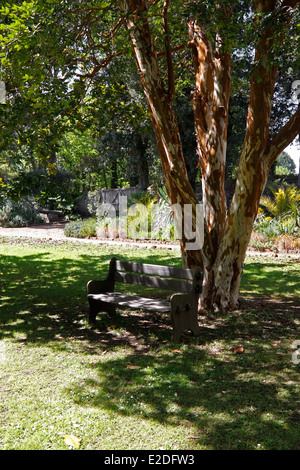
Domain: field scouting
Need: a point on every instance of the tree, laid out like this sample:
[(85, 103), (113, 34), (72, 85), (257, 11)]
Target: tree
[(285, 164), (216, 35), (227, 234), (120, 120)]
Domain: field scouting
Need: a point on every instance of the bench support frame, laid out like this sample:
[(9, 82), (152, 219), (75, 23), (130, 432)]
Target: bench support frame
[(183, 306)]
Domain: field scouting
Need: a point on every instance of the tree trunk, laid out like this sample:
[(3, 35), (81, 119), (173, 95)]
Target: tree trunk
[(114, 174), (164, 119), (210, 102), (143, 167), (228, 266), (226, 233)]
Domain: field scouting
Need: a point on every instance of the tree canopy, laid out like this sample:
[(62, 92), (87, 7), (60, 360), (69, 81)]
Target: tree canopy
[(54, 58)]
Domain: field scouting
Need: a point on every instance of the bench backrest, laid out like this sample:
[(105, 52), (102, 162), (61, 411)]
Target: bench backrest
[(155, 276)]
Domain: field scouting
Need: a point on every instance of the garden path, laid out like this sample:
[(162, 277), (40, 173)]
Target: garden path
[(55, 231)]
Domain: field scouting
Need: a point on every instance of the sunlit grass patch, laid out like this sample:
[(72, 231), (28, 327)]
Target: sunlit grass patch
[(123, 385)]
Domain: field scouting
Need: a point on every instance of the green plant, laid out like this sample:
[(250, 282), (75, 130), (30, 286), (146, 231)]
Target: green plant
[(260, 242), (164, 225), (160, 218), (141, 197), (81, 228), (285, 203), (50, 191), (20, 213), (148, 216), (139, 217), (268, 227)]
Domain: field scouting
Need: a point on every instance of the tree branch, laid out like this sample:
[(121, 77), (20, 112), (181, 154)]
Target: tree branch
[(113, 30), (203, 96), (283, 138), (171, 79), (178, 48), (262, 83), (100, 65)]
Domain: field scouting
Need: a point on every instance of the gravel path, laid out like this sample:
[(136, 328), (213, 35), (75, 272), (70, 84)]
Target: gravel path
[(55, 231)]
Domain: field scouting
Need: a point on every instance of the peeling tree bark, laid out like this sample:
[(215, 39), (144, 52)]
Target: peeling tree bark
[(210, 102), (163, 117), (227, 232), (258, 154)]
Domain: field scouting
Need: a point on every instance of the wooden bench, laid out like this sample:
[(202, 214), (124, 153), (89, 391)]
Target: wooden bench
[(183, 305), (53, 215)]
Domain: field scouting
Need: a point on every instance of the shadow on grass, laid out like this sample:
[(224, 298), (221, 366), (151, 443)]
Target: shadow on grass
[(221, 400), (276, 278), (224, 400), (43, 296)]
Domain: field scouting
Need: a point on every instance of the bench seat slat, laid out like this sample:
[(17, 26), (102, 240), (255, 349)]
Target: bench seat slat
[(155, 282), (165, 271), (129, 301)]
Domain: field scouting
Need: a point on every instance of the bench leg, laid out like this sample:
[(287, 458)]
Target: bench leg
[(184, 321), (97, 306), (184, 316), (93, 311), (111, 310)]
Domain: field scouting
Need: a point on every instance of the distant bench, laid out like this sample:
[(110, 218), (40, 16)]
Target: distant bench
[(183, 305), (53, 215)]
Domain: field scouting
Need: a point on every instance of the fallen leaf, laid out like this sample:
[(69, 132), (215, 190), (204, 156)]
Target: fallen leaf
[(176, 351), (72, 441), (239, 349)]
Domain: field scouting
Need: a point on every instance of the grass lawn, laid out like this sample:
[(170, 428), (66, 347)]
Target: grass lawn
[(124, 385)]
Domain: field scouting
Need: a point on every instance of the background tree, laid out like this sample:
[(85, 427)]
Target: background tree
[(285, 164)]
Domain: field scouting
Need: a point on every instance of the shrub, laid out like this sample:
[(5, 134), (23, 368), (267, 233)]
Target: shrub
[(137, 223), (81, 228), (287, 242), (51, 191), (164, 217), (107, 227), (148, 217), (259, 242), (141, 197), (268, 227), (20, 213), (285, 203)]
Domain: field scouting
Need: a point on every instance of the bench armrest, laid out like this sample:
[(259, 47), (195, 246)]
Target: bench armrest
[(99, 287)]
